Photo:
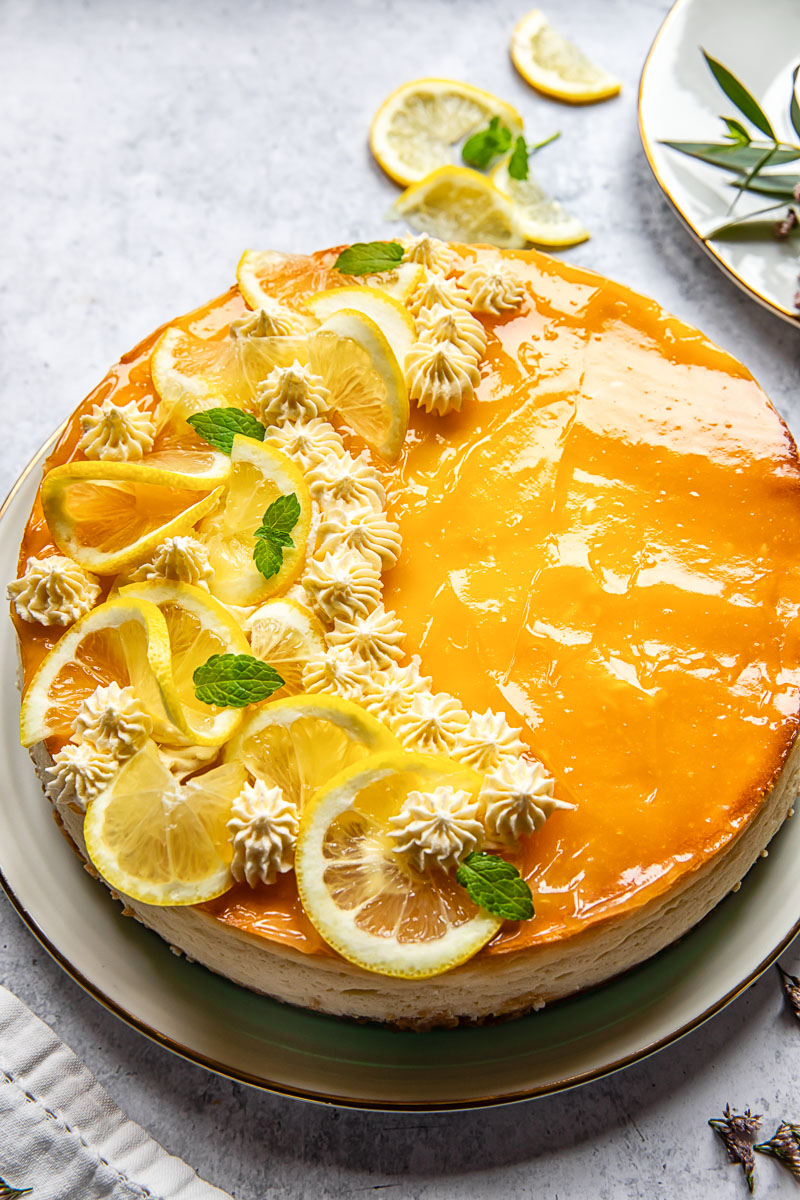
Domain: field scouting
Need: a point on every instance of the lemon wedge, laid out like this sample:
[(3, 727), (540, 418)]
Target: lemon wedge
[(125, 641), (160, 841), (110, 515), (259, 474), (553, 65), (367, 901), (392, 318), (192, 373), (458, 204), (367, 386), (198, 627), (537, 216), (419, 126), (302, 742), (286, 635)]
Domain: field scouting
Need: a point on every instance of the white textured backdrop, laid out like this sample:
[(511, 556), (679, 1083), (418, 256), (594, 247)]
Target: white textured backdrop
[(143, 146)]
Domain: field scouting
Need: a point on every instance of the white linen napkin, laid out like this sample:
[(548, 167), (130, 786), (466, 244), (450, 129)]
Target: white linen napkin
[(63, 1136)]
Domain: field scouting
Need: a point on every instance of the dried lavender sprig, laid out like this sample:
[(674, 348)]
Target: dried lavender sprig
[(785, 1146), (737, 1131), (7, 1192), (785, 226), (791, 983)]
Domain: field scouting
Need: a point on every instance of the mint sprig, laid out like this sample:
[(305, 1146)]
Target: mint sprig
[(496, 885), (235, 680), (275, 533), (369, 258), (518, 163), (219, 426), (479, 150)]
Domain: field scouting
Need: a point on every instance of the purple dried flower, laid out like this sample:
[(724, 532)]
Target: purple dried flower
[(784, 228), (791, 983), (785, 1146), (737, 1132)]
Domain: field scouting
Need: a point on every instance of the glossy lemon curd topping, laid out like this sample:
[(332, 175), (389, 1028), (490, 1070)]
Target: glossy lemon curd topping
[(603, 546)]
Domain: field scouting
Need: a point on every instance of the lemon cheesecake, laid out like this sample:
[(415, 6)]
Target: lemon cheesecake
[(410, 633)]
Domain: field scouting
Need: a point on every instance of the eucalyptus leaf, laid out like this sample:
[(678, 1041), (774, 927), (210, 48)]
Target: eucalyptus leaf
[(733, 157), (781, 186), (794, 106), (738, 93), (751, 174), (746, 227)]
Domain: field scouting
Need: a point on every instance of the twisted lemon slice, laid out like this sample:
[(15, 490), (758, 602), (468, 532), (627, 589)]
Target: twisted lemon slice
[(160, 841), (108, 516), (367, 900), (301, 742)]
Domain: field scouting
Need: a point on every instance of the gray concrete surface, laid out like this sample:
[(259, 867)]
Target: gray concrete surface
[(143, 146)]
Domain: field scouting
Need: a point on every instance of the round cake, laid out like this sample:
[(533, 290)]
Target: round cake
[(498, 700)]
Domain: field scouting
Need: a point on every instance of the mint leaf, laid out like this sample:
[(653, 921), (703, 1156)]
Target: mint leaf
[(274, 533), (496, 885), (369, 258), (235, 680), (219, 426), (479, 150), (518, 163), (738, 93), (268, 556)]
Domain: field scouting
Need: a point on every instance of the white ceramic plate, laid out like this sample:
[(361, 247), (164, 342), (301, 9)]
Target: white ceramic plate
[(214, 1023), (679, 100)]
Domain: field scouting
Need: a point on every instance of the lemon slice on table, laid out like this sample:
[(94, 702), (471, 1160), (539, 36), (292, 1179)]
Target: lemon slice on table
[(125, 641), (300, 743), (192, 373), (110, 515), (198, 627), (286, 635), (367, 901), (160, 841), (537, 215), (419, 126), (392, 318), (553, 65), (259, 475), (266, 275), (458, 204), (367, 386)]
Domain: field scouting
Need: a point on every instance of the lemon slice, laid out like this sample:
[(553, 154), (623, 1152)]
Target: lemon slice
[(366, 900), (419, 126), (458, 204), (160, 841), (302, 742), (125, 641), (392, 318), (267, 277), (551, 64), (286, 635), (110, 515), (259, 474), (192, 373), (367, 386), (198, 627), (537, 215)]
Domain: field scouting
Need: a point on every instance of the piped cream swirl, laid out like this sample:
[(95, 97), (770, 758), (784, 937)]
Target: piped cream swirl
[(116, 432), (492, 291), (517, 798), (437, 829), (343, 584), (113, 719), (440, 377), (376, 639), (183, 559), (291, 394), (263, 829), (53, 591)]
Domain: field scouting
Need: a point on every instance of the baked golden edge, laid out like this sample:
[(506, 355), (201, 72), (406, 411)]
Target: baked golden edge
[(484, 988)]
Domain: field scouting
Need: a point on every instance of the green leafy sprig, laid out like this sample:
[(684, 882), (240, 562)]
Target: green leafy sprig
[(219, 426), (480, 150), (274, 534), (496, 885), (235, 680), (369, 258), (748, 156)]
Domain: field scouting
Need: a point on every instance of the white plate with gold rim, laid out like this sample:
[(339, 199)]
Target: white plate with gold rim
[(216, 1024), (679, 100)]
